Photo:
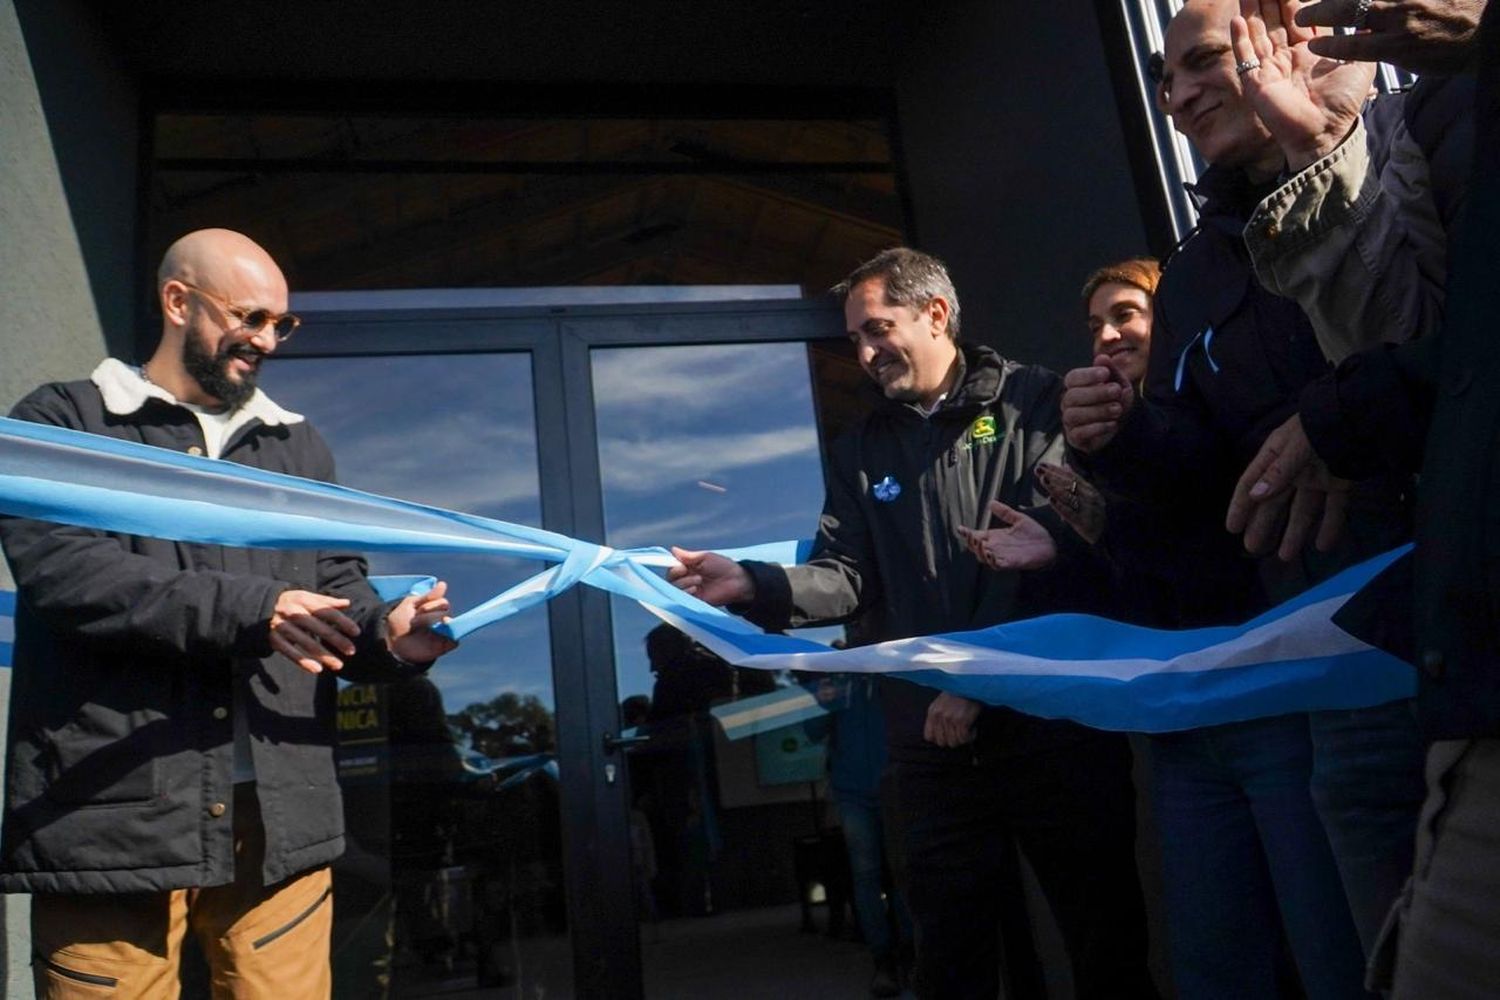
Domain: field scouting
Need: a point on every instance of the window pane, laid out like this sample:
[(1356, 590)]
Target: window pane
[(707, 447), (451, 790)]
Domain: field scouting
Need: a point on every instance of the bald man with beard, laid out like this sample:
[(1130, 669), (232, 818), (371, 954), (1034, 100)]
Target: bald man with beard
[(170, 753)]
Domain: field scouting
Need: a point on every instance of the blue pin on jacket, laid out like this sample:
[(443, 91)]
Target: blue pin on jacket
[(886, 490)]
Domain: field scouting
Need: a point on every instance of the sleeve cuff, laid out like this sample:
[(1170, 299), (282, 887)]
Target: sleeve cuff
[(1330, 193), (772, 607), (1116, 466), (254, 638)]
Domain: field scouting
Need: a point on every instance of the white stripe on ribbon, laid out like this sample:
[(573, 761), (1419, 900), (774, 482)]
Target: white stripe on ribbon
[(1306, 633)]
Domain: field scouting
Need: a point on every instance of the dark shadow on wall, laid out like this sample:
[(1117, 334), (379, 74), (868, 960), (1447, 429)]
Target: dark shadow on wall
[(90, 103), (1016, 166)]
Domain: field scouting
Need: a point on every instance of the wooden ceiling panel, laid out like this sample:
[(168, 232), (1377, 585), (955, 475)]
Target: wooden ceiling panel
[(350, 202)]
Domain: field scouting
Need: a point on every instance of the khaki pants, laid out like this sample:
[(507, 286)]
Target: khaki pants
[(1445, 926), (260, 941)]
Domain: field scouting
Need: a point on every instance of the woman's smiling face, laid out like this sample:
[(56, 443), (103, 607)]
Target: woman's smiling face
[(1120, 321)]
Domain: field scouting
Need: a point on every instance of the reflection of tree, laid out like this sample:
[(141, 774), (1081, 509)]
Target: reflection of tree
[(506, 725)]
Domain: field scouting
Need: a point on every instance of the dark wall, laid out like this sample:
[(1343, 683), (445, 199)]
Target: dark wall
[(767, 42), (1016, 167), (1008, 130)]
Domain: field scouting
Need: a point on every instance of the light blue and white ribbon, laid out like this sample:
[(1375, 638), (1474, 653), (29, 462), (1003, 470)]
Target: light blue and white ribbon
[(1098, 672), (1110, 675), (56, 474)]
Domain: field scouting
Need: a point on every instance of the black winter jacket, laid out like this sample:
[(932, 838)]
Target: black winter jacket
[(131, 654), (1228, 360), (1434, 405), (887, 551)]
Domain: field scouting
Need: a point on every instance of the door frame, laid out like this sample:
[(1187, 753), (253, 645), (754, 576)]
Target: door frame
[(599, 885)]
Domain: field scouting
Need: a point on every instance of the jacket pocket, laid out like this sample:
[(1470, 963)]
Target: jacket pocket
[(276, 934), (75, 978), (85, 764)]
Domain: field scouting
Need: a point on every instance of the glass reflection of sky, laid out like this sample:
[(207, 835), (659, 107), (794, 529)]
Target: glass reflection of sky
[(704, 447), (455, 431)]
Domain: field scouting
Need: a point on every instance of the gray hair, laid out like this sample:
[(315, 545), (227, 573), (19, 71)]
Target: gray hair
[(911, 279)]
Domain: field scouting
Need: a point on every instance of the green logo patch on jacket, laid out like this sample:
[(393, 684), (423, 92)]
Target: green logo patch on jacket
[(982, 431)]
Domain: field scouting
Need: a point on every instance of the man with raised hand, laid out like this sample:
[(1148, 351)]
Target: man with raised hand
[(904, 545), (1357, 233), (171, 743), (1358, 236), (1431, 404), (1229, 360)]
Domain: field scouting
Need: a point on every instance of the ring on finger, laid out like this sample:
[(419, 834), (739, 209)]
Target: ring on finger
[(1361, 12), (1246, 65)]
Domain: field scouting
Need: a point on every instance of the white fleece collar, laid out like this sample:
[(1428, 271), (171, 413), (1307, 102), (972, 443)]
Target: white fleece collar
[(124, 392)]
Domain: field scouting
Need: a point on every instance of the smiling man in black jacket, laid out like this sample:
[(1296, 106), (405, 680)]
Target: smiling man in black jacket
[(903, 545), (1228, 362), (170, 759)]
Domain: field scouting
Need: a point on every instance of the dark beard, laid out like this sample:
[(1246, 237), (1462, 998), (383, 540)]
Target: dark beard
[(211, 371)]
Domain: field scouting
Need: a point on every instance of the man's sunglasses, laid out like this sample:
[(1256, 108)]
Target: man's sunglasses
[(1156, 67), (251, 320)]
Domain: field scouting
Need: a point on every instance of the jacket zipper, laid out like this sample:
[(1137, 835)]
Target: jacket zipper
[(932, 497), (288, 927)]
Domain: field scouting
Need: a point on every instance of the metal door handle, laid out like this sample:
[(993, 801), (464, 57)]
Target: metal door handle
[(614, 744)]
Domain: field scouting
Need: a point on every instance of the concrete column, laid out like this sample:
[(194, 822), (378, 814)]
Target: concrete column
[(68, 140)]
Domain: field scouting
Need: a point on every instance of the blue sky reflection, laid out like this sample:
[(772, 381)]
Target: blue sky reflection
[(456, 431), (705, 446)]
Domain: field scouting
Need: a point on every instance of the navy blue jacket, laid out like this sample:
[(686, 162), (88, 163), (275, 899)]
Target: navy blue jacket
[(1228, 361)]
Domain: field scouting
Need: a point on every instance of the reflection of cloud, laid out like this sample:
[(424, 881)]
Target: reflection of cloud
[(445, 473), (645, 465), (514, 655), (712, 529), (664, 530), (698, 380), (453, 431)]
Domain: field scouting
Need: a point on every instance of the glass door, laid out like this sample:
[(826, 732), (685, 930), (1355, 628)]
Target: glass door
[(715, 445), (454, 875), (508, 838), (707, 446)]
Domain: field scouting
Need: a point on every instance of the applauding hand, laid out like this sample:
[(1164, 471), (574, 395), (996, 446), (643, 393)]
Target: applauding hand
[(1077, 501), (1019, 543), (1308, 102), (1424, 36)]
